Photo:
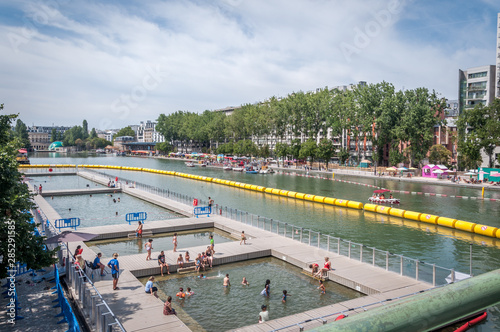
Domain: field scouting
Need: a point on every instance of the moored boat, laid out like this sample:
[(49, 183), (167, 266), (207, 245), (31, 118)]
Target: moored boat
[(189, 164), (238, 169), (379, 197)]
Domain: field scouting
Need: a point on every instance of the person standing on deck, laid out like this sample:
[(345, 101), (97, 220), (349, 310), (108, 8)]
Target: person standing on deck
[(162, 263), (174, 241), (115, 270), (138, 230), (149, 248)]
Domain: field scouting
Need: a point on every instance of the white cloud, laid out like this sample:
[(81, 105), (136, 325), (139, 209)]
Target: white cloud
[(77, 60)]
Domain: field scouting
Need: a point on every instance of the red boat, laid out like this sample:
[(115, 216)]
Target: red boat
[(379, 197)]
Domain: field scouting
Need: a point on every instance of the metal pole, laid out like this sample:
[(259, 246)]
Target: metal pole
[(338, 246), (416, 272), (361, 253), (319, 238), (328, 243), (401, 265), (433, 274), (387, 261), (470, 260), (349, 243), (373, 256), (309, 237)]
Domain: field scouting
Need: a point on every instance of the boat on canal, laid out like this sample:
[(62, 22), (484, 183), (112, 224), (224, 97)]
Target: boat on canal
[(379, 197)]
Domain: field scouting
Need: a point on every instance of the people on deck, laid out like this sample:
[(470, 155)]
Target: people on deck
[(138, 230), (174, 241), (98, 265), (264, 314), (243, 238), (186, 257), (150, 289), (180, 261), (167, 307), (115, 270), (327, 267), (78, 250), (314, 268), (162, 262)]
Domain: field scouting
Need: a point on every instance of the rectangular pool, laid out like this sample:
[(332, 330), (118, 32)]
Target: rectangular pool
[(61, 182), (160, 242), (106, 209), (215, 308)]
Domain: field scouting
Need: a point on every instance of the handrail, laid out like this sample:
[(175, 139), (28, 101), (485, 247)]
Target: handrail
[(416, 269), (82, 285)]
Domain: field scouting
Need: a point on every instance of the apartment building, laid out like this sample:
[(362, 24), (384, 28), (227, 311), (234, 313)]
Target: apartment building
[(476, 86)]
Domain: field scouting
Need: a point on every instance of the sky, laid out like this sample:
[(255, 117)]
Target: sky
[(119, 62)]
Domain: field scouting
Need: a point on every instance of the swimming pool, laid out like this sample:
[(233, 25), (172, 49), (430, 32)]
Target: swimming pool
[(215, 308), (61, 182), (160, 242), (106, 209)]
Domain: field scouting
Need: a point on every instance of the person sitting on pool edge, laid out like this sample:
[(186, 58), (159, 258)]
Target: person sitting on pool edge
[(162, 263), (327, 267), (264, 314), (314, 268), (150, 289), (180, 262), (98, 265)]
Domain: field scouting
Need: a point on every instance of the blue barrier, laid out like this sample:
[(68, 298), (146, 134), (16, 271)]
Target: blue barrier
[(66, 312), (13, 305), (67, 223), (202, 210), (136, 216)]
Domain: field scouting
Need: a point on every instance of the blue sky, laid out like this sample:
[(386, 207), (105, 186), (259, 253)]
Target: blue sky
[(116, 63)]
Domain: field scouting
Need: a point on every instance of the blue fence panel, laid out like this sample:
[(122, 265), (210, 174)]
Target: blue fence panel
[(202, 210), (67, 223), (136, 216)]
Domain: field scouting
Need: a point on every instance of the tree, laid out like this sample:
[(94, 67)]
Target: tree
[(281, 150), (127, 131), (85, 130), (93, 133), (15, 204), (343, 156), (308, 150), (21, 132), (439, 155), (164, 147), (264, 151), (325, 150)]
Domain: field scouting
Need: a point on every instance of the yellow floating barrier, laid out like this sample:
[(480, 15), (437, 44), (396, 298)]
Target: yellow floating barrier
[(447, 222), (253, 187), (269, 190), (383, 209), (319, 199), (299, 195), (275, 191), (291, 194), (242, 185), (428, 218), (465, 226), (397, 212), (371, 207), (329, 200), (412, 215), (283, 193), (355, 205), (231, 183), (341, 202), (248, 186), (486, 230), (262, 189), (308, 197)]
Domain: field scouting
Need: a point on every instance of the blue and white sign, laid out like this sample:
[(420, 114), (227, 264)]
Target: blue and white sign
[(67, 223), (202, 210), (136, 216)]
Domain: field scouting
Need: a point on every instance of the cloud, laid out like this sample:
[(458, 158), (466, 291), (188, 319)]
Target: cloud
[(72, 61)]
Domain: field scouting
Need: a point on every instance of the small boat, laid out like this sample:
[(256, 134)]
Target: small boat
[(380, 198), (252, 172), (264, 171), (227, 168), (189, 164), (238, 169)]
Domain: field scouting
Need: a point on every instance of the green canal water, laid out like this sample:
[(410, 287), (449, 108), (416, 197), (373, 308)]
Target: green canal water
[(424, 242)]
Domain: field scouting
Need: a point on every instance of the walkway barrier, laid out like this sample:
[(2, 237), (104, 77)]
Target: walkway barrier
[(202, 210), (67, 223), (66, 312), (136, 216), (92, 304), (13, 305)]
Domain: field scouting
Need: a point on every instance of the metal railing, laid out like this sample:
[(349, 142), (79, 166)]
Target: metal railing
[(405, 266), (92, 304), (46, 170)]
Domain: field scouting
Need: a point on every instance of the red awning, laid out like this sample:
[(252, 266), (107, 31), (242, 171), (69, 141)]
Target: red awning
[(379, 191)]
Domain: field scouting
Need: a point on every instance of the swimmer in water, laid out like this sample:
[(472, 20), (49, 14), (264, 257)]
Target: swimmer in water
[(180, 294), (226, 283), (189, 292), (245, 282), (322, 287), (285, 294)]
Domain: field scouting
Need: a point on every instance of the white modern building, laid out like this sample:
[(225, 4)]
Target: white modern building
[(146, 132), (476, 86), (497, 85)]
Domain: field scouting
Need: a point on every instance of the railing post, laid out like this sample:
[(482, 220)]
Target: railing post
[(252, 220), (271, 230), (452, 275), (338, 246), (319, 239), (416, 271), (284, 232), (278, 228), (433, 274), (246, 219), (387, 261), (328, 243), (301, 229), (361, 253), (309, 237), (401, 265), (373, 256), (349, 243), (292, 233)]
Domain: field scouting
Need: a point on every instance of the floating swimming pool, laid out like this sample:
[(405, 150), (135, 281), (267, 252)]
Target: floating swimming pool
[(61, 182), (106, 209), (160, 242), (215, 308)]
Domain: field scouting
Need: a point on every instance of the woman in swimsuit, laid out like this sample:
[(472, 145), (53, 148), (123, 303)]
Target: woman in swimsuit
[(210, 257), (186, 257), (149, 247), (267, 288)]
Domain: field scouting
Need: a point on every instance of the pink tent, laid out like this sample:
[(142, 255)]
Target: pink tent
[(428, 171)]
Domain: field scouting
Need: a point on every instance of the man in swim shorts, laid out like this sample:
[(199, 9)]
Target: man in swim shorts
[(226, 281)]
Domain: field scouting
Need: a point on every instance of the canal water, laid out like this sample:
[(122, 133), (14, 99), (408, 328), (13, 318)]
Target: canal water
[(431, 244)]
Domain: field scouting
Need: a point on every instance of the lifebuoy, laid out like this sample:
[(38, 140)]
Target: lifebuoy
[(195, 202)]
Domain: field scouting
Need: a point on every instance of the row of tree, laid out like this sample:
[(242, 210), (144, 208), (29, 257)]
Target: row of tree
[(376, 113)]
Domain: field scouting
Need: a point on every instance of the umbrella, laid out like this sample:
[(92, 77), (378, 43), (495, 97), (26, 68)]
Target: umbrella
[(412, 168), (402, 169), (495, 175), (69, 236), (483, 172), (379, 191), (470, 173), (438, 171)]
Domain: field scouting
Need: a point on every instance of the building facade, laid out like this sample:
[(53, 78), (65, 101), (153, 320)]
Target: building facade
[(476, 86), (41, 136), (497, 84), (146, 132)]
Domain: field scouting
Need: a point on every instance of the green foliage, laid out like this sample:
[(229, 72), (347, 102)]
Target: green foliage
[(308, 149), (439, 155), (164, 147), (127, 131), (281, 150), (325, 150), (21, 133), (264, 151), (17, 241), (93, 133), (343, 155)]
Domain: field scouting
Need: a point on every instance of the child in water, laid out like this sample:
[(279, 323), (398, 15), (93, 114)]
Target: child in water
[(245, 282), (285, 294), (322, 287), (181, 293), (189, 292)]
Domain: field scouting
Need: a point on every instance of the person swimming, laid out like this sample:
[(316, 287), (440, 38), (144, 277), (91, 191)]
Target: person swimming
[(180, 294), (322, 287), (267, 288), (189, 292), (285, 294), (245, 282)]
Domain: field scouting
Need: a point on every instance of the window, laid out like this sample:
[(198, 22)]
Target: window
[(476, 75)]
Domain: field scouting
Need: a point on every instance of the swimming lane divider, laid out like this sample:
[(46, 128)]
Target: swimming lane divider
[(466, 226)]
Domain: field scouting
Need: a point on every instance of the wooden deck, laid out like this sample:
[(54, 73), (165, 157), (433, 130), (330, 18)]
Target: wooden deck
[(128, 303), (88, 191)]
